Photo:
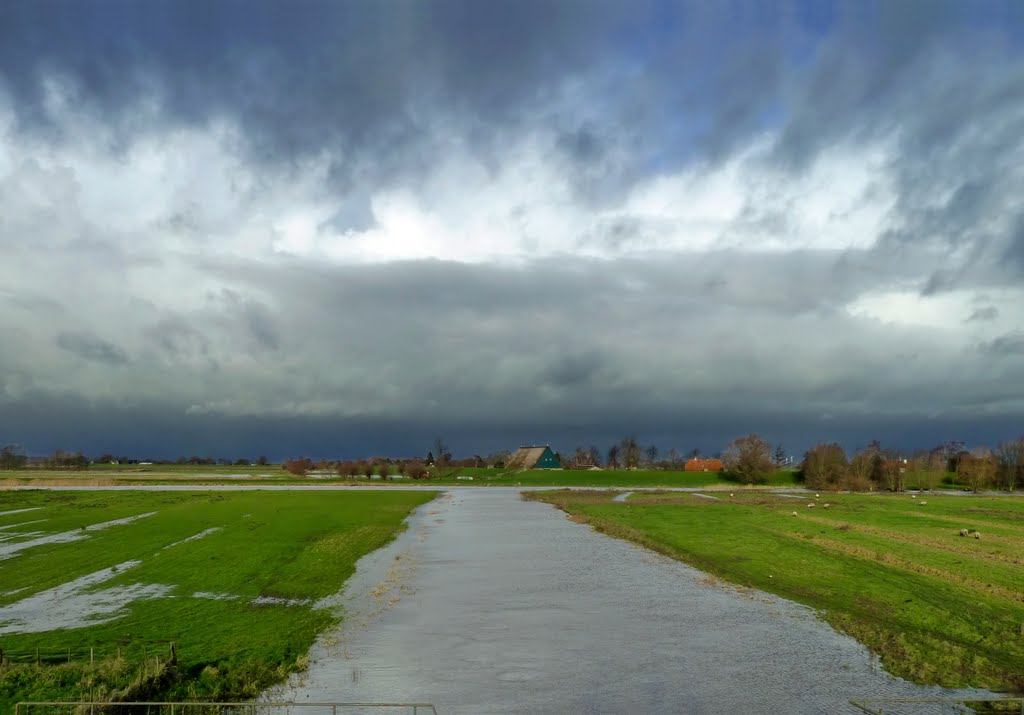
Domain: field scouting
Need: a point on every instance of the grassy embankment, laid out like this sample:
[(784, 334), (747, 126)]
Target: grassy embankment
[(297, 546), (112, 475), (896, 575)]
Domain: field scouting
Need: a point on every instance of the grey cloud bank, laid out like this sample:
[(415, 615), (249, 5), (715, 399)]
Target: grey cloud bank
[(343, 228)]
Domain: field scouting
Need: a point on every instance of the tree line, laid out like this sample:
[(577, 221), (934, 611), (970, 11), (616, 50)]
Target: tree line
[(826, 466)]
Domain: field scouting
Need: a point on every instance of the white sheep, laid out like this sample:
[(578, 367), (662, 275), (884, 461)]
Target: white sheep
[(963, 532), (817, 496), (794, 513), (923, 503), (825, 505), (977, 534), (913, 496), (810, 505)]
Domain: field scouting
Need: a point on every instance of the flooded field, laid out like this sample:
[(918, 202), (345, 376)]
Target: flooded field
[(488, 604)]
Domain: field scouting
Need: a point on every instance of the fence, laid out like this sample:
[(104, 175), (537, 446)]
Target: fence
[(141, 652), (940, 706), (250, 708)]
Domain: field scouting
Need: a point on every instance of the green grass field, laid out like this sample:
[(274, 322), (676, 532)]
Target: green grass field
[(289, 547), (893, 573)]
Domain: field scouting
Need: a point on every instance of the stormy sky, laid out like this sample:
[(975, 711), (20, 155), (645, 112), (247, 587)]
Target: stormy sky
[(343, 228)]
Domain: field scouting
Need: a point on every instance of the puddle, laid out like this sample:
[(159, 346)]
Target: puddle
[(277, 601), (19, 511), (22, 523), (622, 497), (507, 606), (65, 537), (195, 537), (706, 496), (210, 596), (75, 605)]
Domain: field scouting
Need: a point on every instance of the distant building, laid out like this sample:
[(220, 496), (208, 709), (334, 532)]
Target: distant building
[(704, 465), (534, 457)]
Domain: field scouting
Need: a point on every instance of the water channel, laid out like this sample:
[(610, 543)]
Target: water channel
[(489, 604)]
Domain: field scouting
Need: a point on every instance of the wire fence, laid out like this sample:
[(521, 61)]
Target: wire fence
[(148, 651)]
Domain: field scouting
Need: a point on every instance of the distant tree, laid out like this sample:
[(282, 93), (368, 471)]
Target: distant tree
[(749, 460), (242, 462), (297, 467), (67, 460), (693, 454), (415, 470), (651, 455), (368, 469), (499, 459), (675, 459), (595, 455), (383, 469), (613, 457), (780, 456), (920, 473), (108, 458), (430, 458), (262, 460), (866, 467), (1010, 469), (894, 470), (946, 456), (12, 457), (824, 467), (630, 452), (976, 469)]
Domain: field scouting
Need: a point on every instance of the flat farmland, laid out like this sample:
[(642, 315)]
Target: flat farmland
[(232, 579), (890, 570)]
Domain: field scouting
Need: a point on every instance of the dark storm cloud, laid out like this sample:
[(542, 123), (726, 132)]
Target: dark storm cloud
[(199, 329), (92, 348)]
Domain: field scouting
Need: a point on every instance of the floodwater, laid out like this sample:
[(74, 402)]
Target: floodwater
[(489, 604)]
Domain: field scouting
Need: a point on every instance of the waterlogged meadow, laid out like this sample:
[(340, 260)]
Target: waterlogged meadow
[(234, 580), (932, 584)]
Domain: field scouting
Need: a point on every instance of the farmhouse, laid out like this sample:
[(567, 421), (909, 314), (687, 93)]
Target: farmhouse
[(534, 457), (704, 465)]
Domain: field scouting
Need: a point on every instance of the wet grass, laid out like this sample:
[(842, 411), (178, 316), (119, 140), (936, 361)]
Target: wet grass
[(937, 608), (281, 545)]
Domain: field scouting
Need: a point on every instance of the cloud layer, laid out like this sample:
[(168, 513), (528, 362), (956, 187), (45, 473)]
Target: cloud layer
[(343, 228)]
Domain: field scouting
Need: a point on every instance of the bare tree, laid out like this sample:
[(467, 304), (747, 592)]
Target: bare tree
[(613, 457), (651, 455), (749, 460), (630, 452), (595, 456), (976, 469), (780, 456), (824, 467), (1010, 472), (675, 459)]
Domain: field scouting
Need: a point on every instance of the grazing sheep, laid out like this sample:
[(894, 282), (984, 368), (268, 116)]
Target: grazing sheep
[(794, 513), (731, 494), (977, 534), (810, 505), (963, 532), (923, 502), (825, 505), (817, 496)]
